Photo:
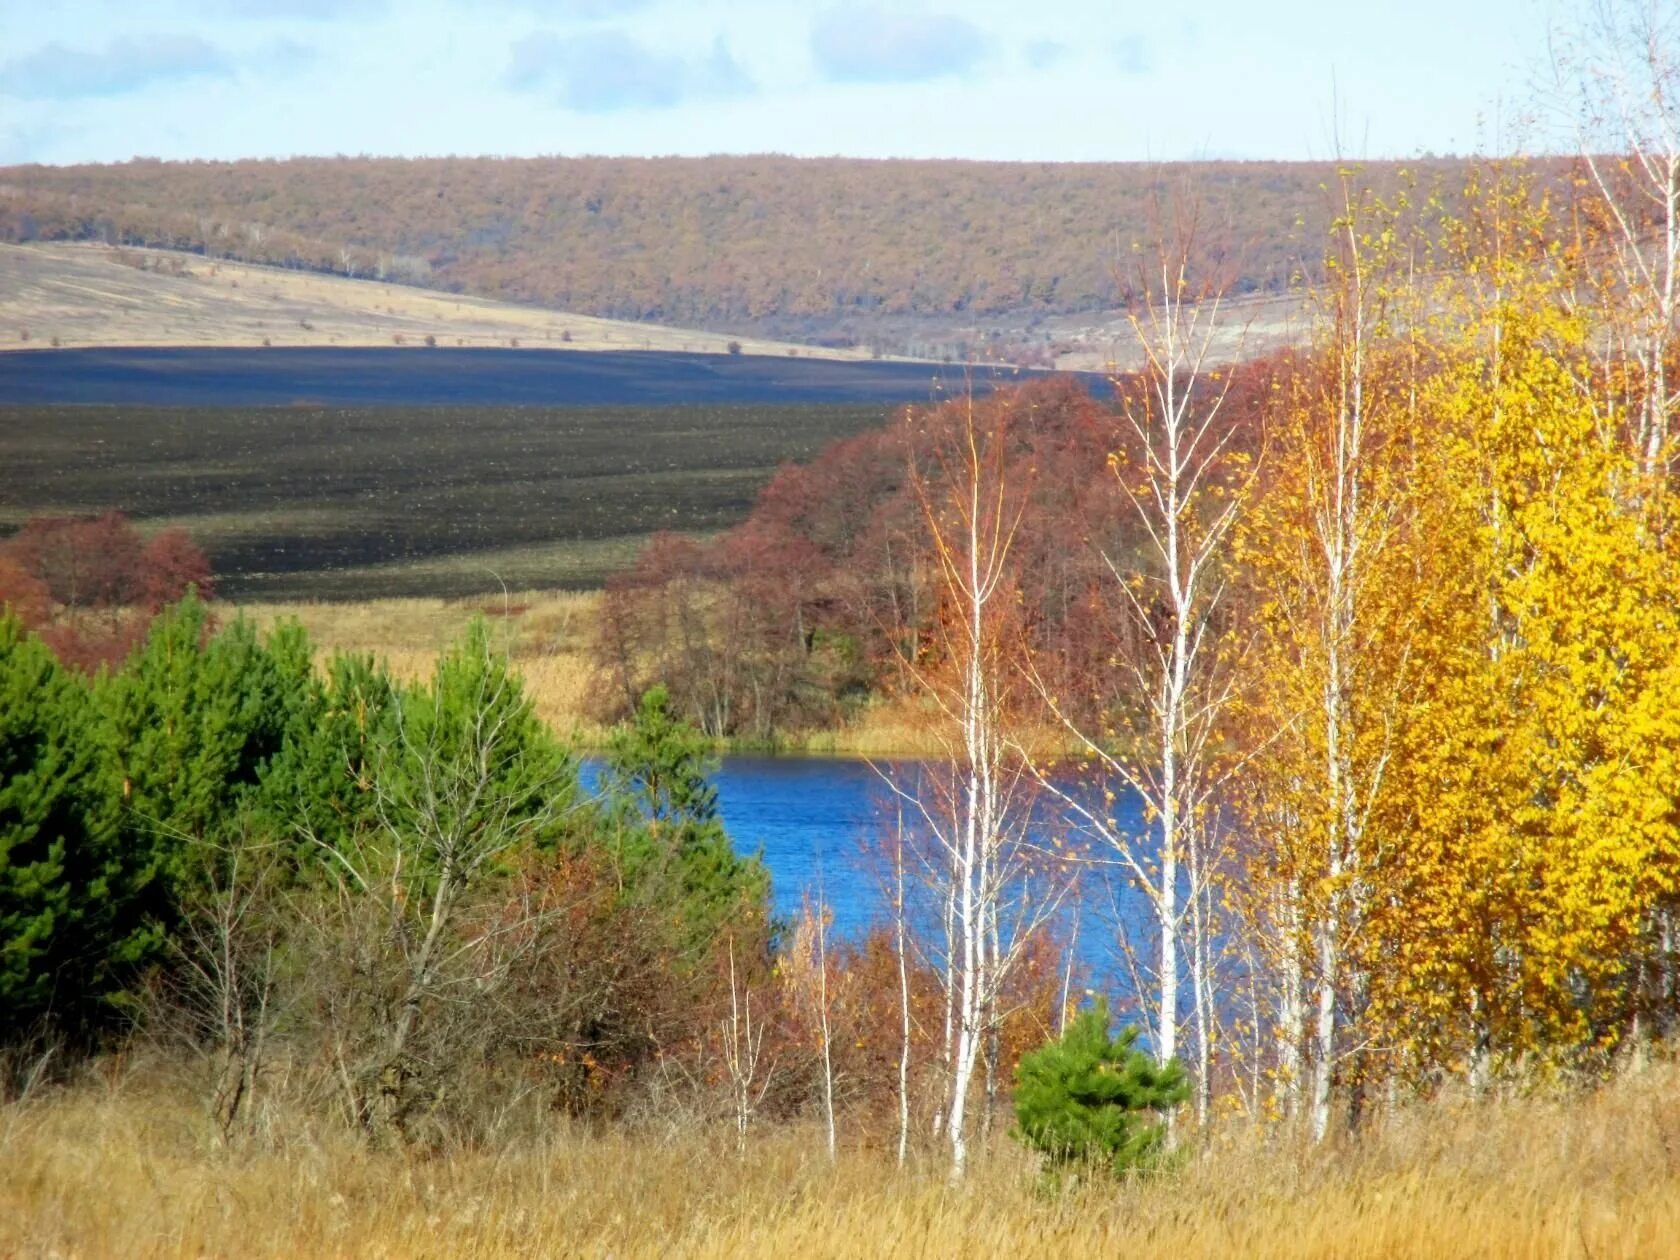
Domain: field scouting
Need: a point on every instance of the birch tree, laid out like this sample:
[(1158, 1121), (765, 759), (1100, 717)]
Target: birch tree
[(1332, 594), (1618, 75), (974, 853), (1182, 473), (901, 946), (750, 1076), (805, 973)]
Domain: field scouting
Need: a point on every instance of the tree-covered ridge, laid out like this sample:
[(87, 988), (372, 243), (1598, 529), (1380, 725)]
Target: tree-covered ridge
[(728, 241)]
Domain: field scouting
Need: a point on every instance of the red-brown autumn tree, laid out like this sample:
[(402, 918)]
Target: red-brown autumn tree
[(90, 585)]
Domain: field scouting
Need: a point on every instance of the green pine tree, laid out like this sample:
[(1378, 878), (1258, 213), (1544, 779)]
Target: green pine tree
[(187, 730), (72, 919), (1092, 1098), (194, 719), (469, 752), (669, 840), (320, 785)]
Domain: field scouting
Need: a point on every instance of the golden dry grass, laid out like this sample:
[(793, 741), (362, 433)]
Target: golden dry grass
[(86, 295), (545, 633), (127, 1168), (547, 636)]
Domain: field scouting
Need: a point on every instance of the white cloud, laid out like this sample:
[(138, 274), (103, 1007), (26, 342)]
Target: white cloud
[(58, 72), (604, 71), (865, 45)]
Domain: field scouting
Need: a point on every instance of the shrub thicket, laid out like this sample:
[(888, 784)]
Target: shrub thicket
[(392, 885)]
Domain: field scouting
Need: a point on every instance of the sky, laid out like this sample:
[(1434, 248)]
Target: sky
[(1055, 80)]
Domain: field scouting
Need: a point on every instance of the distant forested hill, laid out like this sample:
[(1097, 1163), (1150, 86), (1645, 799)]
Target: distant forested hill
[(811, 245)]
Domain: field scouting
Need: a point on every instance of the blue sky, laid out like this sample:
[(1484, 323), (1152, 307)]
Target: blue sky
[(105, 80)]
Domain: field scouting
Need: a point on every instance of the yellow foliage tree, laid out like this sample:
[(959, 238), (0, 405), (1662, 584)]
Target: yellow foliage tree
[(1533, 798), (1464, 832)]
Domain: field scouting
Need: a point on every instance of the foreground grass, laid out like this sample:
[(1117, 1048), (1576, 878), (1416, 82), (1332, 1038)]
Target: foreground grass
[(547, 635), (125, 1167)]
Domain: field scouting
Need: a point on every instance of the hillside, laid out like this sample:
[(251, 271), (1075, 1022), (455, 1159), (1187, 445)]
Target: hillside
[(95, 295), (925, 257)]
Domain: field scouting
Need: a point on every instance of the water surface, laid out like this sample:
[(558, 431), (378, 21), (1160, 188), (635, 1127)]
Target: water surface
[(821, 824)]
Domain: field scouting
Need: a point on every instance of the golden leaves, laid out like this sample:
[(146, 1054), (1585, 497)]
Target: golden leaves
[(1471, 734)]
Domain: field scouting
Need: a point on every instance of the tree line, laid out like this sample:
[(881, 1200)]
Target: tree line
[(409, 906), (90, 585), (393, 884)]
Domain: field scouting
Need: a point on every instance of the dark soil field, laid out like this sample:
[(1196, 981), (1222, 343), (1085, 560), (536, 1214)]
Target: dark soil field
[(420, 376), (324, 502)]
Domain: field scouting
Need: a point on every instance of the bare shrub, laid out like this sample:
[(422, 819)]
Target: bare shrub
[(223, 997)]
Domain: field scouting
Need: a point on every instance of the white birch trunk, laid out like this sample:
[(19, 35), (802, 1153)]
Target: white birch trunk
[(1187, 494), (902, 944), (827, 1041), (1292, 1011)]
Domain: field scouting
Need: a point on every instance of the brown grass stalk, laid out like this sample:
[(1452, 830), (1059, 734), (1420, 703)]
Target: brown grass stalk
[(128, 1166)]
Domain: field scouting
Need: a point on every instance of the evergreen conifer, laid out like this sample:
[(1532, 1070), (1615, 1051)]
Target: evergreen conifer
[(1093, 1098)]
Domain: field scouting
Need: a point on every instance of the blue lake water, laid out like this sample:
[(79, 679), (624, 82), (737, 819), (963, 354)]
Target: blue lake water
[(820, 822), (811, 818)]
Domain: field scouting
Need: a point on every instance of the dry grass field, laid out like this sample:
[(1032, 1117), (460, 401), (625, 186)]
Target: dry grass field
[(547, 635), (123, 1164), (96, 295)]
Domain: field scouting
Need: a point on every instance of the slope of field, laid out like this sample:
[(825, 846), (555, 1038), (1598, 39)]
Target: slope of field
[(549, 635), (834, 248), (96, 295), (332, 503)]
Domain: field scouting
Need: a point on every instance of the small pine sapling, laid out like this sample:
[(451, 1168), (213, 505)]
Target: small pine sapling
[(1092, 1098)]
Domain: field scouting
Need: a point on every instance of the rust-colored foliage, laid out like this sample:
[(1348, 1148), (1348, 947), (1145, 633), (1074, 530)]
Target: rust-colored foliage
[(826, 593), (89, 586), (603, 976), (24, 594)]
